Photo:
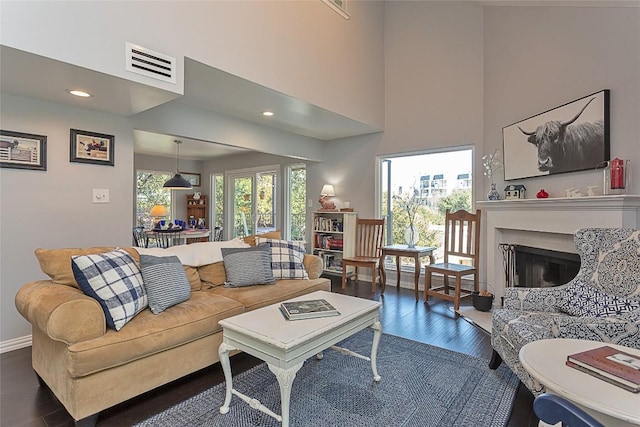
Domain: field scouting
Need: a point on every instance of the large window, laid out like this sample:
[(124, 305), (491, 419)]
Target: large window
[(217, 200), (428, 184), (296, 206), (150, 192)]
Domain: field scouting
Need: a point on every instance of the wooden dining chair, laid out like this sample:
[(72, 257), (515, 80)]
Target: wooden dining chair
[(166, 238), (217, 234), (368, 250), (461, 240), (140, 237)]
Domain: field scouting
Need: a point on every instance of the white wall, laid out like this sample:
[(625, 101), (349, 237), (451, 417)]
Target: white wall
[(433, 86), (538, 58), (53, 208), (300, 48)]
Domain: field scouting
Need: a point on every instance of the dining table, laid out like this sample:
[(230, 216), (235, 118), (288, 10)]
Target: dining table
[(183, 236)]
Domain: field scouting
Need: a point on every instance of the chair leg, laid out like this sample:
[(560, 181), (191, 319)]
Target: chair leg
[(445, 277), (495, 361), (456, 299), (374, 279), (476, 285), (427, 284), (344, 276), (383, 278)]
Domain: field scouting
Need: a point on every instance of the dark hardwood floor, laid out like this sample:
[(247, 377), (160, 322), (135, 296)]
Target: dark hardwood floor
[(26, 404)]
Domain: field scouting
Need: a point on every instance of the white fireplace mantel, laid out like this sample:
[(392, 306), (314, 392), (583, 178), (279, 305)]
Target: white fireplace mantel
[(548, 224)]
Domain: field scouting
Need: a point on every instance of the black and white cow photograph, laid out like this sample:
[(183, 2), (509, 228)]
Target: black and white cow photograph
[(572, 137)]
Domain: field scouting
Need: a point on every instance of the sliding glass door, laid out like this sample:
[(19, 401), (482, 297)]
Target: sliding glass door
[(253, 202)]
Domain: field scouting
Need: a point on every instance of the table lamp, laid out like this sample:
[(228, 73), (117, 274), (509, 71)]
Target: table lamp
[(326, 192), (157, 212)]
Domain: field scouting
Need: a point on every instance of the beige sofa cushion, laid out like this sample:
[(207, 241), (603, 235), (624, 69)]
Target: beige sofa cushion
[(150, 333), (251, 240), (212, 275), (253, 297), (56, 263)]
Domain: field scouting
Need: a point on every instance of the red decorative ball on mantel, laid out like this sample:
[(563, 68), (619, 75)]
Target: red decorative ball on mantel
[(542, 194)]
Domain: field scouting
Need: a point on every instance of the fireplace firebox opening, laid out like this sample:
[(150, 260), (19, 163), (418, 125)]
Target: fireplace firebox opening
[(530, 267)]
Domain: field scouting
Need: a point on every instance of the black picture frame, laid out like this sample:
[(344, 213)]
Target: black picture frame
[(568, 138), (192, 177), (91, 147), (20, 150)]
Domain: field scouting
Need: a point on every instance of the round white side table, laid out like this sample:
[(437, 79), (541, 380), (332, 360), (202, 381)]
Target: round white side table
[(545, 361)]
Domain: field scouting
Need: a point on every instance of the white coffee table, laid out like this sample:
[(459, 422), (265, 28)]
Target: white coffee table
[(545, 361), (286, 344)]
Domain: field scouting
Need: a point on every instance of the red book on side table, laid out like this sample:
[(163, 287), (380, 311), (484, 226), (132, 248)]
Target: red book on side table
[(611, 365)]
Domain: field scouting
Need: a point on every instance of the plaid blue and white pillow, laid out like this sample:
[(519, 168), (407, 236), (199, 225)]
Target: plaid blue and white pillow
[(286, 258), (580, 299), (114, 280)]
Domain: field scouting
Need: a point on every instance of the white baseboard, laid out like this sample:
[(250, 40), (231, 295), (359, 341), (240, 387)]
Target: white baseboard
[(15, 344)]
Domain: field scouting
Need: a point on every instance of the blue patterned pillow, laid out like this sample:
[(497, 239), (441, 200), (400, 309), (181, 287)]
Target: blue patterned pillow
[(247, 266), (286, 258), (165, 281), (114, 280), (580, 299)]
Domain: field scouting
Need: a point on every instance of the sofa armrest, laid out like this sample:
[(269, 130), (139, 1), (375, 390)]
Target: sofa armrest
[(623, 329), (313, 265), (534, 299), (61, 312)]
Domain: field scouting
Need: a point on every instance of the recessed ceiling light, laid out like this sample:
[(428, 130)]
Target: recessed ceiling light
[(267, 113), (80, 93)]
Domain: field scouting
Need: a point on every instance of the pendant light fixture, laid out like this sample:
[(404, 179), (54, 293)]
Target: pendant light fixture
[(178, 182)]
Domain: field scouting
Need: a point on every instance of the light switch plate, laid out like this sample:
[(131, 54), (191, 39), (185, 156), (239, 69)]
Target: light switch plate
[(100, 195)]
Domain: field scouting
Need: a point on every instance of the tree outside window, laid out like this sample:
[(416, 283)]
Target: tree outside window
[(150, 192)]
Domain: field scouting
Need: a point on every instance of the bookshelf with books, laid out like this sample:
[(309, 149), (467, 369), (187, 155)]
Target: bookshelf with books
[(333, 237)]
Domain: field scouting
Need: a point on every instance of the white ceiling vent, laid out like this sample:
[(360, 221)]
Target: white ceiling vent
[(149, 63)]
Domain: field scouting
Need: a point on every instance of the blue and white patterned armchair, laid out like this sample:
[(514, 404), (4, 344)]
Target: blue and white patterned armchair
[(610, 265)]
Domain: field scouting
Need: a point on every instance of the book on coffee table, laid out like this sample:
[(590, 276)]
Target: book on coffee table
[(295, 310), (614, 366)]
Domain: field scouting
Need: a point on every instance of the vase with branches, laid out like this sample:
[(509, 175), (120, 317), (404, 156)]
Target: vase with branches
[(409, 202), (492, 163)]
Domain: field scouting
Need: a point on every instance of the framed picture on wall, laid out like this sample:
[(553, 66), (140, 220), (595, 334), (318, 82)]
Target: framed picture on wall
[(23, 150), (91, 147), (568, 138), (193, 178)]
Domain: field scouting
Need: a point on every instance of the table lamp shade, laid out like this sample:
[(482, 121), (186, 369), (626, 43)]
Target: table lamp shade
[(158, 210), (327, 190)]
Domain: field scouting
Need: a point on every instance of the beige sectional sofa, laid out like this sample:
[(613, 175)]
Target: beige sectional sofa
[(90, 367)]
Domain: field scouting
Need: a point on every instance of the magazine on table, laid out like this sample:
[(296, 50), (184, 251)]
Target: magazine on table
[(614, 366), (308, 309)]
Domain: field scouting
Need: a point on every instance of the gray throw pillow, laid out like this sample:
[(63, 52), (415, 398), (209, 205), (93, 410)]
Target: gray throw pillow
[(165, 281), (248, 266)]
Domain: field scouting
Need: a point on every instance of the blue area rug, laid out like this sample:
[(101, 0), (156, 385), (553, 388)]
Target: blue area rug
[(421, 385)]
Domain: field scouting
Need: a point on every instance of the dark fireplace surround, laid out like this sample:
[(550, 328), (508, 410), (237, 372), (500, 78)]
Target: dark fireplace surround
[(530, 267), (539, 268)]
